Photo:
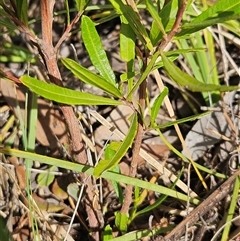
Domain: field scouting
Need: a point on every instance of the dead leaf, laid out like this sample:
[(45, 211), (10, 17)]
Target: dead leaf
[(51, 129), (44, 205), (200, 138), (58, 191)]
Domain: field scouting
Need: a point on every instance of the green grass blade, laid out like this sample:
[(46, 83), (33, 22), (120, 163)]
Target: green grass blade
[(64, 95), (189, 82), (32, 117), (89, 170), (185, 159), (90, 78), (106, 164), (231, 210), (158, 202), (95, 50), (183, 120)]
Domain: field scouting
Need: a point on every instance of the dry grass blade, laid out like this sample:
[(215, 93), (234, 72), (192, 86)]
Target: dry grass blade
[(149, 159)]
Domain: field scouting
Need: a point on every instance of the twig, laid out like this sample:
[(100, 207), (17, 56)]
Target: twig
[(136, 149), (49, 57), (67, 31), (175, 27), (78, 149), (203, 208)]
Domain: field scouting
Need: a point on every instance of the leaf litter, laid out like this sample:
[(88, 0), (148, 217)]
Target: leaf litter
[(60, 200)]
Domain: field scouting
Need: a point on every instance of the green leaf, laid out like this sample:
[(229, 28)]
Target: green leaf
[(95, 50), (173, 55), (45, 179), (220, 9), (90, 78), (121, 221), (218, 13), (107, 164), (157, 104), (73, 190), (155, 15), (127, 49), (5, 234), (189, 82), (81, 4), (167, 16), (134, 21), (127, 41), (22, 11), (16, 54), (117, 186), (107, 233), (144, 74), (64, 95), (109, 154), (231, 210)]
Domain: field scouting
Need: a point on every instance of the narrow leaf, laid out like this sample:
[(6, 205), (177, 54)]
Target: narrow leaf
[(189, 82), (121, 221), (22, 10), (161, 199), (220, 9), (64, 95), (81, 4), (134, 21), (144, 74), (152, 10), (95, 50), (106, 164), (156, 105), (127, 41), (90, 78), (167, 16), (218, 13)]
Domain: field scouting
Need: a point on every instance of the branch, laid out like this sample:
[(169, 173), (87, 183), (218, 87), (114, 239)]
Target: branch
[(136, 150), (175, 27), (67, 31)]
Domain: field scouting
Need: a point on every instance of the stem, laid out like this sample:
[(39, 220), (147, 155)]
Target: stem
[(175, 27), (136, 150), (78, 148)]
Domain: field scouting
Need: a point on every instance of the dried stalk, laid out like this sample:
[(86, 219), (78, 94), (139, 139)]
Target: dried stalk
[(49, 56), (202, 209)]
